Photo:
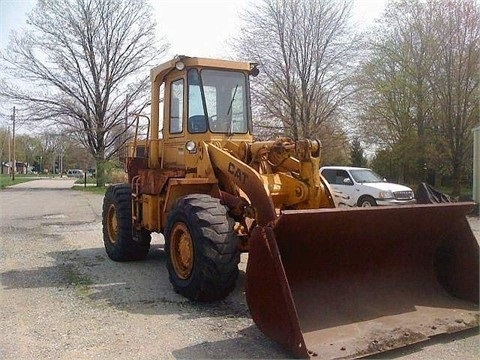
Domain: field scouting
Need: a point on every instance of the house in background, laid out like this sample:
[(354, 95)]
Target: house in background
[(21, 168)]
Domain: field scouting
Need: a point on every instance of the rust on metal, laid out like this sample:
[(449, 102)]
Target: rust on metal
[(268, 293), (345, 283), (181, 248), (134, 165)]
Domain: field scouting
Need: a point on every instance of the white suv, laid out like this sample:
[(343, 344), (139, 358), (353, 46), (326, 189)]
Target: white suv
[(75, 173), (362, 187)]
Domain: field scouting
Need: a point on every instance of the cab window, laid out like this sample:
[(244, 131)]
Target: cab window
[(337, 177), (217, 100), (197, 121), (176, 107)]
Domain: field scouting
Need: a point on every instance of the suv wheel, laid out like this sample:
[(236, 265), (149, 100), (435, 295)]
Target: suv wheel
[(367, 201)]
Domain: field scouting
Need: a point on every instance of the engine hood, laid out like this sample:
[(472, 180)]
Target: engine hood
[(384, 186)]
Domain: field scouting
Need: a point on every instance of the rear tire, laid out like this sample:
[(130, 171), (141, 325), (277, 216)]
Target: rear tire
[(367, 201), (201, 248), (117, 226)]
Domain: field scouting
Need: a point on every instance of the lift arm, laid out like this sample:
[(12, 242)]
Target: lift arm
[(248, 180)]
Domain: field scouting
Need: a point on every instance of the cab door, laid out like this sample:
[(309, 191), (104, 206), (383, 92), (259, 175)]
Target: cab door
[(341, 181), (174, 148)]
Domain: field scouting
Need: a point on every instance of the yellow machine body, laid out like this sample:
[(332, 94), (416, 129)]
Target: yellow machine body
[(322, 281)]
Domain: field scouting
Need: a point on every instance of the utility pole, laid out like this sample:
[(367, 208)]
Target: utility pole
[(124, 137), (13, 146), (125, 130), (126, 112), (61, 159), (9, 152)]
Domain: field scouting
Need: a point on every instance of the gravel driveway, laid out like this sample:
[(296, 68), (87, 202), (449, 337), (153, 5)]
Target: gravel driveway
[(62, 298)]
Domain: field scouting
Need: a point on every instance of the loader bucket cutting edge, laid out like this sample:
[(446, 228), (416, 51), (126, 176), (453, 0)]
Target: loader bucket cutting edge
[(346, 283)]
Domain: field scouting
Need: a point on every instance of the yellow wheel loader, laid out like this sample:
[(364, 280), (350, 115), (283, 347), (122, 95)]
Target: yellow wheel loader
[(322, 281)]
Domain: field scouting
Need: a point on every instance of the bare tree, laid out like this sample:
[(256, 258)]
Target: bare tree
[(304, 48), (84, 62)]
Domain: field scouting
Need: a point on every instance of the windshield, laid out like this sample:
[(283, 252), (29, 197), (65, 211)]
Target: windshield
[(365, 176), (217, 100)]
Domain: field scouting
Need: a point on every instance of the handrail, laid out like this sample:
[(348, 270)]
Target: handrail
[(137, 120)]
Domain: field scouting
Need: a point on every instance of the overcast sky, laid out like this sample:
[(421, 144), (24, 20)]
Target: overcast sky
[(210, 22)]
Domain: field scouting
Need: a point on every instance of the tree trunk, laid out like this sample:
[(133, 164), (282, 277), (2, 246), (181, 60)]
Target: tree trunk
[(101, 175), (457, 179)]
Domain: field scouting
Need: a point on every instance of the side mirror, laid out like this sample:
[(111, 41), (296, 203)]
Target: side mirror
[(347, 181), (254, 71)]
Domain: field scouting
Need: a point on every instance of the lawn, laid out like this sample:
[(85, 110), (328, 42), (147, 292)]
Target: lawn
[(465, 192), (90, 180), (90, 186), (6, 180), (92, 189)]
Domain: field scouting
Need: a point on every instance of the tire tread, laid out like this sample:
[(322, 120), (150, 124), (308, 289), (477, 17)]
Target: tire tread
[(216, 265)]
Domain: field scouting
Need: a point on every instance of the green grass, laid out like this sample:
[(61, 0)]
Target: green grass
[(91, 186), (75, 278), (6, 180), (93, 189), (90, 180), (465, 192), (80, 281)]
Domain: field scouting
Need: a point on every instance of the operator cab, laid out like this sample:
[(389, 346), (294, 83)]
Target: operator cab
[(203, 100), (208, 96)]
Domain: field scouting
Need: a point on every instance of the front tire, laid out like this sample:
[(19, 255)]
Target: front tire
[(201, 248), (367, 201), (117, 226)]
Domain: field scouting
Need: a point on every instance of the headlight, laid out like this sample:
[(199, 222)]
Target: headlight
[(191, 147), (179, 65), (388, 194)]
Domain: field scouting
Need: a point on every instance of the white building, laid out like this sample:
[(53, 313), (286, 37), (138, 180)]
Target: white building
[(476, 165)]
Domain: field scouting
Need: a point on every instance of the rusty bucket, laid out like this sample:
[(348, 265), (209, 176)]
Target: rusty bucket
[(346, 283)]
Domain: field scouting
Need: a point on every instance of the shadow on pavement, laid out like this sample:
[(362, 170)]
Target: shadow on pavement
[(143, 288), (242, 344), (138, 287)]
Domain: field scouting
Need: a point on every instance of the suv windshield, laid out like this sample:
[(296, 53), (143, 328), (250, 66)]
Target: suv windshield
[(365, 176), (219, 97)]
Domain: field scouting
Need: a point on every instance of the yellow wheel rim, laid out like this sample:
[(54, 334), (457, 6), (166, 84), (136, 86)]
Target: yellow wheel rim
[(112, 224), (181, 251)]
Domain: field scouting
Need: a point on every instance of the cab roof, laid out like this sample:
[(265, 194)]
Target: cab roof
[(162, 69)]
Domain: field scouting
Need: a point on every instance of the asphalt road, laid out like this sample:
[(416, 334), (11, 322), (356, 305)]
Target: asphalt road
[(62, 298)]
